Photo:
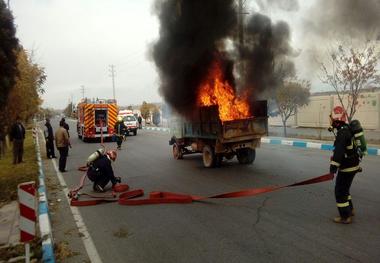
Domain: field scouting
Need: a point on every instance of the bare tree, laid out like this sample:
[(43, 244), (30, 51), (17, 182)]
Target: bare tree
[(293, 94), (349, 71)]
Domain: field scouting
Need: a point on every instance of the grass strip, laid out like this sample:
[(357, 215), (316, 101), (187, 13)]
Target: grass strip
[(11, 175)]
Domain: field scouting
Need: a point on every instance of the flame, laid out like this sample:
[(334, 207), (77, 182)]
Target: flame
[(215, 91)]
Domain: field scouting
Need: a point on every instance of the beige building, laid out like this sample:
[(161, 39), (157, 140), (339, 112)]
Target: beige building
[(316, 113)]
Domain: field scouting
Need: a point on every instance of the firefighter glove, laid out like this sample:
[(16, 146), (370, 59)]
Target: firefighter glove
[(333, 168)]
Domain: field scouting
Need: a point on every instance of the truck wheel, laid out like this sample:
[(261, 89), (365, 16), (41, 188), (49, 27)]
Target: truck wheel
[(246, 155), (177, 152), (209, 157), (135, 132)]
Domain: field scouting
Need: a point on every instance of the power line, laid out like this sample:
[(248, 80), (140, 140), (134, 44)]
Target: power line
[(112, 71)]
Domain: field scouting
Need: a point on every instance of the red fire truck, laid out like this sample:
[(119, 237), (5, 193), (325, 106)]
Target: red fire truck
[(96, 118)]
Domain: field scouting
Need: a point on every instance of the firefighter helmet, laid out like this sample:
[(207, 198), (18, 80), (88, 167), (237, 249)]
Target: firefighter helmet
[(337, 117), (112, 154), (339, 114), (119, 118)]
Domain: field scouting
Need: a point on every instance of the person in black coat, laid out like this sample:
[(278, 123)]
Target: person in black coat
[(49, 138), (120, 130), (345, 161), (101, 173), (17, 136), (139, 119)]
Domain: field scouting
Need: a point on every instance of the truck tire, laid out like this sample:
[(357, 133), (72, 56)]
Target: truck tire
[(135, 132), (246, 155), (209, 157), (177, 152)]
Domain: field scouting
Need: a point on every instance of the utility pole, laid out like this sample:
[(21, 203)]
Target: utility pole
[(112, 71), (82, 90)]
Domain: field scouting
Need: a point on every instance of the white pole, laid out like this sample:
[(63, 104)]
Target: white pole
[(27, 253)]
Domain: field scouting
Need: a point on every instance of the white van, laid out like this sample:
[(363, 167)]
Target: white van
[(130, 121)]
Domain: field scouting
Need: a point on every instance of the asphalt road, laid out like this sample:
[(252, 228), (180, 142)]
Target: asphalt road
[(290, 225)]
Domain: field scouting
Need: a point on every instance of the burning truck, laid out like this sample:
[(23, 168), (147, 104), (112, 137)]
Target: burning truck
[(222, 126), (214, 63)]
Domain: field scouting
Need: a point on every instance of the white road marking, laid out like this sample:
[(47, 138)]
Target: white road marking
[(91, 250)]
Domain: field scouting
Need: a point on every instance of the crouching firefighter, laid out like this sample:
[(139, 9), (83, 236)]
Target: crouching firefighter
[(100, 169), (345, 161), (120, 131)]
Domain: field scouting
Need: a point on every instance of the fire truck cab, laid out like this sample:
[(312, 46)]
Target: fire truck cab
[(96, 118)]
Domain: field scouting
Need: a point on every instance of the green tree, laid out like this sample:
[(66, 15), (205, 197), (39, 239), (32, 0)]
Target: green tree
[(349, 71), (24, 99), (130, 107), (145, 109), (8, 53), (292, 94)]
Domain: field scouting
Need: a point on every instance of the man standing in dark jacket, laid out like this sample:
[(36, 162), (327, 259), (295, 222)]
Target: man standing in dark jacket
[(49, 138), (17, 136), (345, 161)]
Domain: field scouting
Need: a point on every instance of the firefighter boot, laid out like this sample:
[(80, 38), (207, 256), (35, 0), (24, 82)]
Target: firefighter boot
[(341, 220), (345, 215)]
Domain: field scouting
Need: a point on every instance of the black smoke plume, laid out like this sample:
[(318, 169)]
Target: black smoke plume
[(192, 37), (191, 32), (266, 55)]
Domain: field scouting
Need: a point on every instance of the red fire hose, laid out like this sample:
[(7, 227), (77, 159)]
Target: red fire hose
[(125, 197), (121, 194)]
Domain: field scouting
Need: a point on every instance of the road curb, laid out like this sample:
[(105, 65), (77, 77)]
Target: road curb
[(309, 144), (290, 142), (43, 212)]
